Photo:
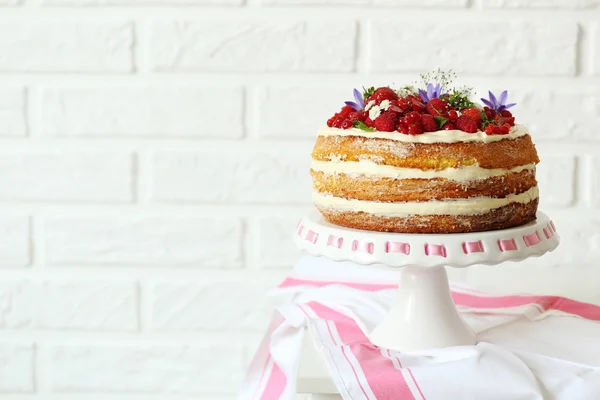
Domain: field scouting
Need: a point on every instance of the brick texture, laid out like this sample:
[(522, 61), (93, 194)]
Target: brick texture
[(12, 113), (16, 368), (174, 369), (227, 176), (229, 46), (541, 3), (155, 156), (507, 48), (150, 112), (14, 241), (155, 242), (556, 177), (66, 177), (33, 46), (71, 305), (139, 2), (275, 113), (193, 307), (276, 248)]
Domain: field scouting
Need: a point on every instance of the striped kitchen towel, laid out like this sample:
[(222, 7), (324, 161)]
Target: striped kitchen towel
[(530, 347)]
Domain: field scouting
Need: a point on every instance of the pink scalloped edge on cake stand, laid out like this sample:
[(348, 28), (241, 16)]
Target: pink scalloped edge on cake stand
[(424, 315), (318, 237)]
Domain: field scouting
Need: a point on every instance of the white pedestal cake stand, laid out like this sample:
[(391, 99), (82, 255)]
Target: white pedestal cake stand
[(424, 315)]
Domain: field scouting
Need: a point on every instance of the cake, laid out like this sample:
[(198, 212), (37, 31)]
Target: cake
[(425, 160)]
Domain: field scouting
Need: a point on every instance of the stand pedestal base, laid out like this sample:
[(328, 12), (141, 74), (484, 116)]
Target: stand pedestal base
[(423, 315)]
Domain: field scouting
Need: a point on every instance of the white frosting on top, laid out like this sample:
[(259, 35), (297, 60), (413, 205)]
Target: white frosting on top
[(370, 168), (452, 136), (474, 205)]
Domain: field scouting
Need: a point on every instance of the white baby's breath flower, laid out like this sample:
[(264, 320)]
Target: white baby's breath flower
[(374, 112)]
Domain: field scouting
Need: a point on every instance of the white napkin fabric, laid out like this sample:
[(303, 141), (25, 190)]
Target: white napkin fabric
[(530, 347)]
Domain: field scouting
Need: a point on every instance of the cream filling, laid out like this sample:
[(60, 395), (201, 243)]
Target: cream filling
[(370, 168), (475, 205), (428, 137)]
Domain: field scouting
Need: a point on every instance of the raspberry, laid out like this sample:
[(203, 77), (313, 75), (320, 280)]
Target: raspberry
[(509, 120), (473, 113), (494, 130), (338, 121), (448, 126), (346, 110), (428, 122), (347, 124), (331, 120), (368, 122), (404, 104), (403, 126), (415, 129), (466, 124), (506, 113), (437, 107), (381, 94), (387, 122), (505, 129), (357, 115), (452, 115), (413, 117), (418, 105), (491, 114)]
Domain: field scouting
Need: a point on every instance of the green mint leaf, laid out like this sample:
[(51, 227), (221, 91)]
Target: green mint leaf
[(368, 92), (361, 125), (440, 121)]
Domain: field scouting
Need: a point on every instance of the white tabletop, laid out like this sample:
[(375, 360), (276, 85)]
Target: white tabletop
[(313, 377)]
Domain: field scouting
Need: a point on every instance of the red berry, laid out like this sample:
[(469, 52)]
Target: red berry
[(452, 115), (466, 124), (428, 122), (331, 120), (505, 129), (418, 105), (346, 110), (404, 104), (387, 122), (338, 121), (347, 124), (509, 120), (473, 113), (506, 113), (491, 114), (413, 117), (437, 107), (381, 94), (357, 115), (415, 129), (448, 126), (495, 130), (368, 122)]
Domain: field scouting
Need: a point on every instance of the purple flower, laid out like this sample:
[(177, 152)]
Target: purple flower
[(433, 92), (498, 104), (360, 101)]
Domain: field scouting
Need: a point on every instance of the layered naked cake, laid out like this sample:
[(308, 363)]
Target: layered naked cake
[(428, 161)]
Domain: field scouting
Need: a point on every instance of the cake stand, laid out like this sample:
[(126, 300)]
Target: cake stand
[(424, 315)]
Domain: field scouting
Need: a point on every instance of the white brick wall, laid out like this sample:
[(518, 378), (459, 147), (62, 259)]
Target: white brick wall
[(151, 151)]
